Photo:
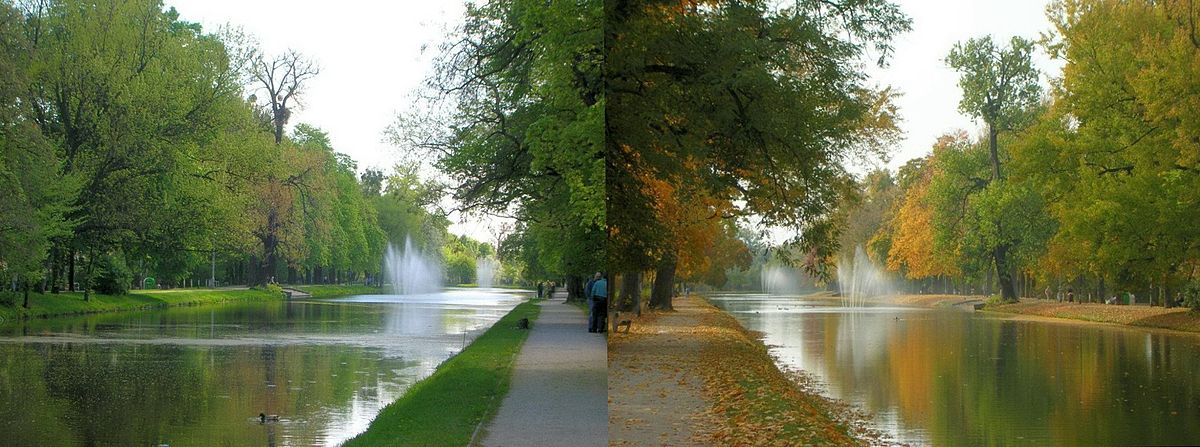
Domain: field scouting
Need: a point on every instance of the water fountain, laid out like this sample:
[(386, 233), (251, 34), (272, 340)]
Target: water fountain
[(859, 279), (781, 280), (411, 271), (485, 271)]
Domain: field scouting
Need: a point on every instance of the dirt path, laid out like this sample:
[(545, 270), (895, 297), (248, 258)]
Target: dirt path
[(655, 392), (557, 394)]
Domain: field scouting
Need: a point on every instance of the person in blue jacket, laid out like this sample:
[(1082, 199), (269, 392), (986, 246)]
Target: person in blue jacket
[(599, 315)]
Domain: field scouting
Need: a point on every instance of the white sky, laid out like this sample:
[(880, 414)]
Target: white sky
[(929, 107), (372, 55)]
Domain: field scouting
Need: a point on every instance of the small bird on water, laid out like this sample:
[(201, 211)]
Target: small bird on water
[(264, 418)]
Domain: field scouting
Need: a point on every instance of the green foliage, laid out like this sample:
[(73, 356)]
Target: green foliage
[(733, 109), (125, 130), (460, 268), (523, 136), (999, 84), (1191, 295), (112, 276)]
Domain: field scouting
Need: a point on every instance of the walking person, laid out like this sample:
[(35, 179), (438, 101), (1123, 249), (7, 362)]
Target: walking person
[(598, 320), (587, 293), (540, 286)]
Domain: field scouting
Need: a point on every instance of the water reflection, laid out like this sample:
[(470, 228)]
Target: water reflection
[(945, 377), (201, 375)]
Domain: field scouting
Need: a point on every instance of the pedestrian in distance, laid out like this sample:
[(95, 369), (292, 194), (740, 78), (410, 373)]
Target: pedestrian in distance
[(598, 320), (587, 293)]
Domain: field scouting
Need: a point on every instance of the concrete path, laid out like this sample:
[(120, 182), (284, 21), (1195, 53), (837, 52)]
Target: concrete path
[(559, 390)]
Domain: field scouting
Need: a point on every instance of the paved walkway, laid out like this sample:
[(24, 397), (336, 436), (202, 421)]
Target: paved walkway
[(559, 390)]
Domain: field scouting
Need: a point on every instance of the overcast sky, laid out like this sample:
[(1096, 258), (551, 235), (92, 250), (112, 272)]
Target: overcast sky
[(929, 107), (374, 54)]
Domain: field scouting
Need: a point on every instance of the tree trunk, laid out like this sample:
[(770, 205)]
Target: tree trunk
[(1000, 256), (631, 292), (987, 289), (664, 279), (55, 269), (575, 288), (71, 271), (26, 287), (995, 151)]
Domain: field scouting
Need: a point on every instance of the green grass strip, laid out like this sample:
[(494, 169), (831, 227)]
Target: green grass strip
[(444, 408), (330, 291), (46, 305)]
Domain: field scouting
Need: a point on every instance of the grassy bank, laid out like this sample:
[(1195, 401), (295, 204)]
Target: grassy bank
[(332, 290), (444, 408), (760, 403), (45, 305), (1179, 319)]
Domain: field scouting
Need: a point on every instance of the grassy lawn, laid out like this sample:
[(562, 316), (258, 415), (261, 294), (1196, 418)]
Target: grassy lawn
[(444, 408), (44, 305), (332, 290)]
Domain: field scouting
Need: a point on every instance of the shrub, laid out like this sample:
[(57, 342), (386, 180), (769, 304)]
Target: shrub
[(274, 289), (1191, 295), (112, 275)]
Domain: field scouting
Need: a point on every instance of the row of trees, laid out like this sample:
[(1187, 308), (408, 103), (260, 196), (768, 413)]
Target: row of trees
[(513, 116), (1094, 186), (134, 144)]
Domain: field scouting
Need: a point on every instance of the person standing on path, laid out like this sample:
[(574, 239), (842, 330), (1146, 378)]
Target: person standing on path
[(540, 286), (598, 320), (587, 293)]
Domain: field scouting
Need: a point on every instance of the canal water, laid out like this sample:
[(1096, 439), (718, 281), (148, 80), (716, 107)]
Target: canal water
[(199, 376), (953, 378)]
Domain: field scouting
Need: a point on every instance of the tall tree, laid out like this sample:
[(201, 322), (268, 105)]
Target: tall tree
[(747, 103), (282, 78), (999, 86), (521, 133)]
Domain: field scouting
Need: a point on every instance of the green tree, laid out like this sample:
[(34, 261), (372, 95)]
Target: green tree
[(999, 86), (523, 126)]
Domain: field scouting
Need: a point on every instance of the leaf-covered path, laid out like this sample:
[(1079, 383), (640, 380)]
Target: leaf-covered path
[(557, 394), (695, 376), (655, 391)]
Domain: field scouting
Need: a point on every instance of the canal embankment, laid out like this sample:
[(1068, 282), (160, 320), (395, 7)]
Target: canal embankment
[(66, 304), (445, 408), (696, 376), (49, 305), (1176, 318)]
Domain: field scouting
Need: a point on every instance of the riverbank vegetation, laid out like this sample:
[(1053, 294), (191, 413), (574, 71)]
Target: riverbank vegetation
[(45, 305), (1089, 188), (446, 408), (139, 150)]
